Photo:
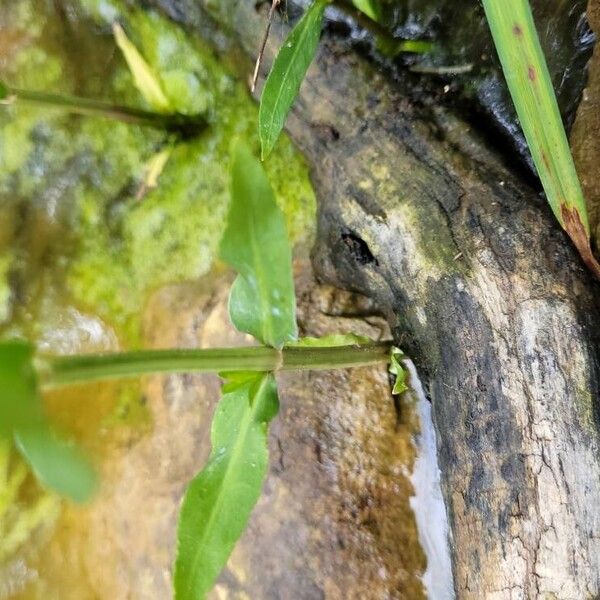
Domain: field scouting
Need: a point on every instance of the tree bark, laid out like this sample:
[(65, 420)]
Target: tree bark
[(487, 295)]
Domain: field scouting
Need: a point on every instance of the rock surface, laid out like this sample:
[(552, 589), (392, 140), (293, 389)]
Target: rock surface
[(335, 519)]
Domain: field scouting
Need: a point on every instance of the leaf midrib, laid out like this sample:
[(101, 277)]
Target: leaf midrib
[(233, 455), (268, 330)]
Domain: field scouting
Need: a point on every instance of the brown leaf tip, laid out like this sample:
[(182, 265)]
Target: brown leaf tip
[(578, 233)]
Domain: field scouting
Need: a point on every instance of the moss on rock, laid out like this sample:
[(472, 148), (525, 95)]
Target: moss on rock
[(114, 247)]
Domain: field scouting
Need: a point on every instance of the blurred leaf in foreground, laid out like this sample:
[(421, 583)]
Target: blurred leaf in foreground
[(370, 8), (4, 91), (20, 403), (58, 465)]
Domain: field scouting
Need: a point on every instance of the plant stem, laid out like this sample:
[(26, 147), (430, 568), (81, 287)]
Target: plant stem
[(362, 20), (64, 370), (391, 44), (175, 123)]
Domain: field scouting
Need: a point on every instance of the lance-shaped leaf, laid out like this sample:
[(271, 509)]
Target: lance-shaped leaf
[(530, 85), (218, 502), (146, 80), (287, 74), (255, 244), (58, 465)]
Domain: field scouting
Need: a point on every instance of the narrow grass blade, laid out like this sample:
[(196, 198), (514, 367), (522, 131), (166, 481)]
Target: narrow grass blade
[(219, 501), (255, 244), (526, 72), (146, 80), (287, 74), (59, 465), (398, 371)]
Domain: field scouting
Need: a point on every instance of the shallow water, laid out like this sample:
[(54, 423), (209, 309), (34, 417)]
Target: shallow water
[(428, 502)]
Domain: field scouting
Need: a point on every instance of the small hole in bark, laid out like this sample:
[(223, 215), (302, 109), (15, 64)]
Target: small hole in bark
[(358, 249), (327, 131)]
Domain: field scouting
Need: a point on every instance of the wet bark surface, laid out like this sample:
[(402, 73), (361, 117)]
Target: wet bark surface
[(506, 326), (585, 138), (461, 42), (485, 292)]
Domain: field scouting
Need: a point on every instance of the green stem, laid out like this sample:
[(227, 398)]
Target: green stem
[(392, 45), (361, 19), (64, 370), (176, 123)]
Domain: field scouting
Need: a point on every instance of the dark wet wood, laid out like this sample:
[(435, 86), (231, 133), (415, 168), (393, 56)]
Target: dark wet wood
[(585, 135), (484, 291)]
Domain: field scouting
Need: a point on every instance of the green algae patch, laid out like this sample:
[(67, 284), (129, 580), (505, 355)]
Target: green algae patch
[(81, 248), (172, 233), (111, 245)]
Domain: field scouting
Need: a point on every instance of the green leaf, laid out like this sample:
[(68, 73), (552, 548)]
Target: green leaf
[(370, 8), (530, 85), (287, 73), (332, 340), (20, 403), (58, 465), (146, 80), (255, 244), (4, 91), (391, 47), (398, 370), (218, 502), (234, 379)]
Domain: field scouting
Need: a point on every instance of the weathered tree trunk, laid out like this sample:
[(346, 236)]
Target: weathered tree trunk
[(485, 292)]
